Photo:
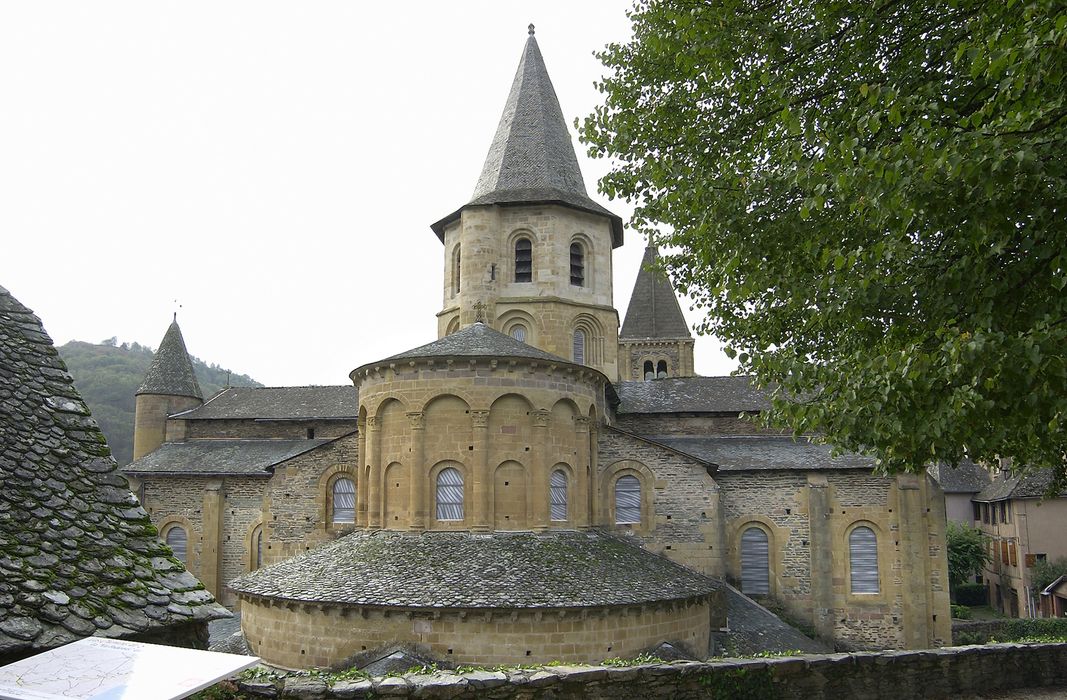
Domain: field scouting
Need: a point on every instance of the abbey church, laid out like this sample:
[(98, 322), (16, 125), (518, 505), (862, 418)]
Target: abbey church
[(538, 483)]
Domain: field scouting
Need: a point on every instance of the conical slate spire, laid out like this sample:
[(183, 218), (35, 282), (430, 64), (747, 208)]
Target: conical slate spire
[(532, 159), (653, 311), (171, 371)]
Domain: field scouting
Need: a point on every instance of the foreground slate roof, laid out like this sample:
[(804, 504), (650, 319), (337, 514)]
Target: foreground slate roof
[(78, 555), (691, 395), (1031, 485), (653, 311), (460, 570), (209, 457), (531, 159), (756, 452), (171, 372), (967, 477), (476, 340), (279, 403)]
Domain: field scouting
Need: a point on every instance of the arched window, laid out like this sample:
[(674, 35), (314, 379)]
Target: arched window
[(518, 332), (863, 560), (755, 562), (661, 370), (456, 271), (579, 347), (257, 547), (449, 494), (344, 501), (178, 541), (557, 489), (650, 373), (523, 260), (627, 500), (577, 265)]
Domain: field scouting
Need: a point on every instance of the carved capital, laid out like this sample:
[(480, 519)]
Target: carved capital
[(541, 418), (581, 424), (480, 419), (374, 423), (417, 420)]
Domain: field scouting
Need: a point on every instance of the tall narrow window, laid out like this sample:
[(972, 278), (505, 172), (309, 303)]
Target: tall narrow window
[(579, 347), (627, 500), (755, 562), (456, 272), (257, 547), (523, 260), (650, 373), (577, 265), (557, 489), (344, 501), (449, 494), (518, 332), (178, 542), (661, 370), (863, 560)]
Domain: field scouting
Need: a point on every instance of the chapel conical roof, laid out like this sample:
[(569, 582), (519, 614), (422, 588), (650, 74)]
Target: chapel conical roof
[(171, 372), (531, 159), (653, 311)]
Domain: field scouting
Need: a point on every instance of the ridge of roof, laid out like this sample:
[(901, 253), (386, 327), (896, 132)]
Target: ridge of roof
[(171, 372), (653, 311), (311, 402), (214, 456), (1026, 484), (531, 159), (725, 394)]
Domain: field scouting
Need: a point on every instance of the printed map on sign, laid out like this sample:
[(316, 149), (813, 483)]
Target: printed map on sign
[(115, 669)]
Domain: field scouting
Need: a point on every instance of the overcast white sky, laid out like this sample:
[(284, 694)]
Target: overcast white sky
[(273, 167)]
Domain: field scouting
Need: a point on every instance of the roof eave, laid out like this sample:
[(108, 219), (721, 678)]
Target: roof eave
[(440, 225)]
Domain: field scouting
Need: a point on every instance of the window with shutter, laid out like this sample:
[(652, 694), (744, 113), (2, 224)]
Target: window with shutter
[(178, 541), (523, 260), (627, 500), (579, 347), (344, 501), (449, 494), (577, 265), (518, 332), (863, 560), (755, 562), (557, 489)]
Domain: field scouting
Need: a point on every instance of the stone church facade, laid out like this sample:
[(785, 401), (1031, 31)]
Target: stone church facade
[(538, 483)]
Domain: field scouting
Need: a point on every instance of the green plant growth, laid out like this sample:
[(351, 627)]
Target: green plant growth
[(960, 612), (638, 660), (740, 684), (1045, 572), (967, 552)]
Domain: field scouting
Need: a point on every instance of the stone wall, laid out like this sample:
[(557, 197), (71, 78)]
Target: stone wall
[(933, 674), (686, 424), (258, 429)]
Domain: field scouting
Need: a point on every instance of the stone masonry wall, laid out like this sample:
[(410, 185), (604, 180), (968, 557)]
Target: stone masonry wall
[(690, 424), (263, 429)]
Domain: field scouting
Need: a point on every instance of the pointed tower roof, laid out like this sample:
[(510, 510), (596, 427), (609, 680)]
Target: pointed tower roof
[(653, 311), (171, 371), (531, 160)]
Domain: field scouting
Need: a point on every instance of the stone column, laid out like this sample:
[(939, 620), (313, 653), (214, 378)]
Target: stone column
[(418, 473), (361, 475), (374, 488), (539, 452), (211, 538), (482, 478), (915, 562), (583, 473), (821, 554)]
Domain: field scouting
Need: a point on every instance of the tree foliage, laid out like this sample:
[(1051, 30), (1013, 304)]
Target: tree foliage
[(967, 552), (867, 198), (1045, 572)]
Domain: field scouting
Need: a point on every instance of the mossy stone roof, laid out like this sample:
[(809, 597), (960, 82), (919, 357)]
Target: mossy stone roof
[(279, 403), (78, 555), (734, 394), (653, 312), (171, 372)]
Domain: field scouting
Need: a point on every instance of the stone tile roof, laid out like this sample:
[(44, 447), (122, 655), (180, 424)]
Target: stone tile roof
[(78, 555), (476, 340), (691, 395), (279, 403), (531, 159), (461, 570), (171, 372), (755, 629), (653, 311), (967, 477), (248, 457), (756, 452), (1007, 485)]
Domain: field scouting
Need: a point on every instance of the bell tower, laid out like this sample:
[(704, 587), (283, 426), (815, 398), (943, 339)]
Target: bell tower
[(530, 254)]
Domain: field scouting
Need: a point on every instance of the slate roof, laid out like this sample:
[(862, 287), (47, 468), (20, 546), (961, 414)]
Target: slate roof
[(967, 477), (461, 570), (691, 395), (279, 403), (1006, 485), (78, 555), (210, 457), (653, 311), (755, 629), (759, 452), (171, 372), (531, 159)]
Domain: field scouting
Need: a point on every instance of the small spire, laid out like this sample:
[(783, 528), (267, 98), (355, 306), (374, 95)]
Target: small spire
[(531, 29), (175, 319)]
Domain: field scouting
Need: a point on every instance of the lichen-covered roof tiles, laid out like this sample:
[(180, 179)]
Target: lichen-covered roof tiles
[(461, 570), (967, 477), (691, 395), (476, 340), (213, 457), (78, 555), (762, 452), (279, 403), (171, 372), (653, 311), (1032, 484)]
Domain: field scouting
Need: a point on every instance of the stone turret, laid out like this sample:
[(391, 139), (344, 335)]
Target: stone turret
[(530, 253), (655, 341), (169, 387)]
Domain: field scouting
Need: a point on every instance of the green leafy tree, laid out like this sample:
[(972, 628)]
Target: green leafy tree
[(1045, 572), (967, 552), (868, 200)]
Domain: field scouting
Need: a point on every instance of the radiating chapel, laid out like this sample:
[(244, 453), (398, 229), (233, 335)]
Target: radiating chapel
[(536, 484)]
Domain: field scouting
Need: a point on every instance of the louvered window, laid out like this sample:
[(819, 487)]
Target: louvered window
[(755, 562), (257, 545), (579, 347), (558, 495), (344, 501), (519, 333), (178, 542), (627, 500), (577, 265), (449, 494), (456, 273), (863, 560), (523, 260)]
